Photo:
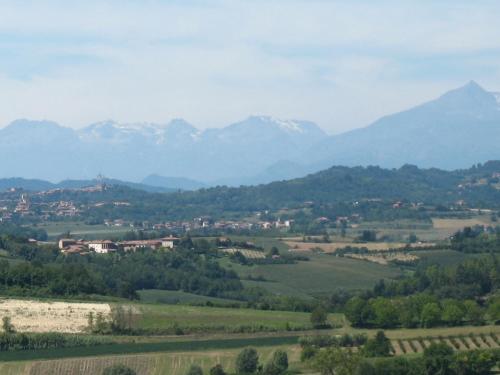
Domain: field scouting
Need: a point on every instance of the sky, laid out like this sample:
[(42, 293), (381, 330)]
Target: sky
[(341, 64)]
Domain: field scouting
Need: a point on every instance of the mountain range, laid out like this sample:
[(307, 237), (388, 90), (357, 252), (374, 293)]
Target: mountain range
[(460, 128)]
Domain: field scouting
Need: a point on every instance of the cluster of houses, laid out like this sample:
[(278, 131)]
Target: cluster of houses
[(72, 246)]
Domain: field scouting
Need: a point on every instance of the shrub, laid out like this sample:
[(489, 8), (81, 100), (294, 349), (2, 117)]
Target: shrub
[(379, 346), (278, 363), (217, 370), (247, 361), (195, 370), (118, 370), (319, 317)]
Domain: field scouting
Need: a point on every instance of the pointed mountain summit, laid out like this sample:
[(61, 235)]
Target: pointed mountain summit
[(460, 128)]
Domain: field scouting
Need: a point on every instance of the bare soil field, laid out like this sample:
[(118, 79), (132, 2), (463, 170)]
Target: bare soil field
[(456, 224), (385, 258), (37, 316), (334, 246)]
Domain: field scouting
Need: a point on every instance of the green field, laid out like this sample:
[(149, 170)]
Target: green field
[(322, 274), (82, 230), (173, 297), (444, 257), (173, 345), (191, 319)]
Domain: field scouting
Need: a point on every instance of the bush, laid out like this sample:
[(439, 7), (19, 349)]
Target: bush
[(118, 370), (278, 363), (247, 361), (195, 370), (7, 325), (379, 346), (307, 353), (319, 317), (217, 370)]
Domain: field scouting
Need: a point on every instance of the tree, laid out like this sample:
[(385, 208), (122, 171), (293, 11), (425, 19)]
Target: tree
[(247, 361), (217, 370), (118, 370), (473, 363), (7, 325), (386, 314), (357, 311), (379, 346), (453, 312), (336, 361), (274, 252), (473, 313), (438, 359), (319, 317), (368, 236), (494, 310), (431, 315), (278, 363), (194, 370)]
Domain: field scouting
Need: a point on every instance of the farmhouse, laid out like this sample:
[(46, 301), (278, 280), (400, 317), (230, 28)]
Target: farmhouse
[(76, 249), (65, 242), (169, 242), (140, 244), (102, 247)]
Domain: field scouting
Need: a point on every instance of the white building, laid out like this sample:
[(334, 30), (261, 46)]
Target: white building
[(169, 242), (102, 247)]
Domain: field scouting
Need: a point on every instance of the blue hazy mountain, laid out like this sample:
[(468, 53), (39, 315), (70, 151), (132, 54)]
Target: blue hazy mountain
[(46, 150), (460, 128)]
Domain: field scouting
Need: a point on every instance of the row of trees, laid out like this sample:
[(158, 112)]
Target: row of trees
[(247, 362), (419, 310)]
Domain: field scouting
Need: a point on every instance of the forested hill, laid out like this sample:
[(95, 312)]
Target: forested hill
[(477, 186)]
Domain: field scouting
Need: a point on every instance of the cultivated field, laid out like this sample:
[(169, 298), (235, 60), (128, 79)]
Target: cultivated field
[(149, 364), (249, 254), (458, 343), (192, 319), (334, 246), (82, 230), (321, 274), (37, 316), (385, 258)]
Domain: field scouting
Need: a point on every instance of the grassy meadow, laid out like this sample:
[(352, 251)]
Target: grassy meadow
[(322, 274), (163, 318)]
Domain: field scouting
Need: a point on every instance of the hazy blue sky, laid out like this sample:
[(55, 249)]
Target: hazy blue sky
[(339, 63)]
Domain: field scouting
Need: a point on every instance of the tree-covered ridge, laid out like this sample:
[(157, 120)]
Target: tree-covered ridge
[(338, 188)]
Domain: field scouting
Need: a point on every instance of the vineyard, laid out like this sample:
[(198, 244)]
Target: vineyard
[(151, 364), (458, 343), (249, 254)]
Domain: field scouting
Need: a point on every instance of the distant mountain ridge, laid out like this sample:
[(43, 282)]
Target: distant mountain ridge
[(46, 150), (458, 129)]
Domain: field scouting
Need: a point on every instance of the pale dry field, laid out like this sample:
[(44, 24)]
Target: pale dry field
[(334, 246), (457, 224), (385, 258), (37, 316)]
